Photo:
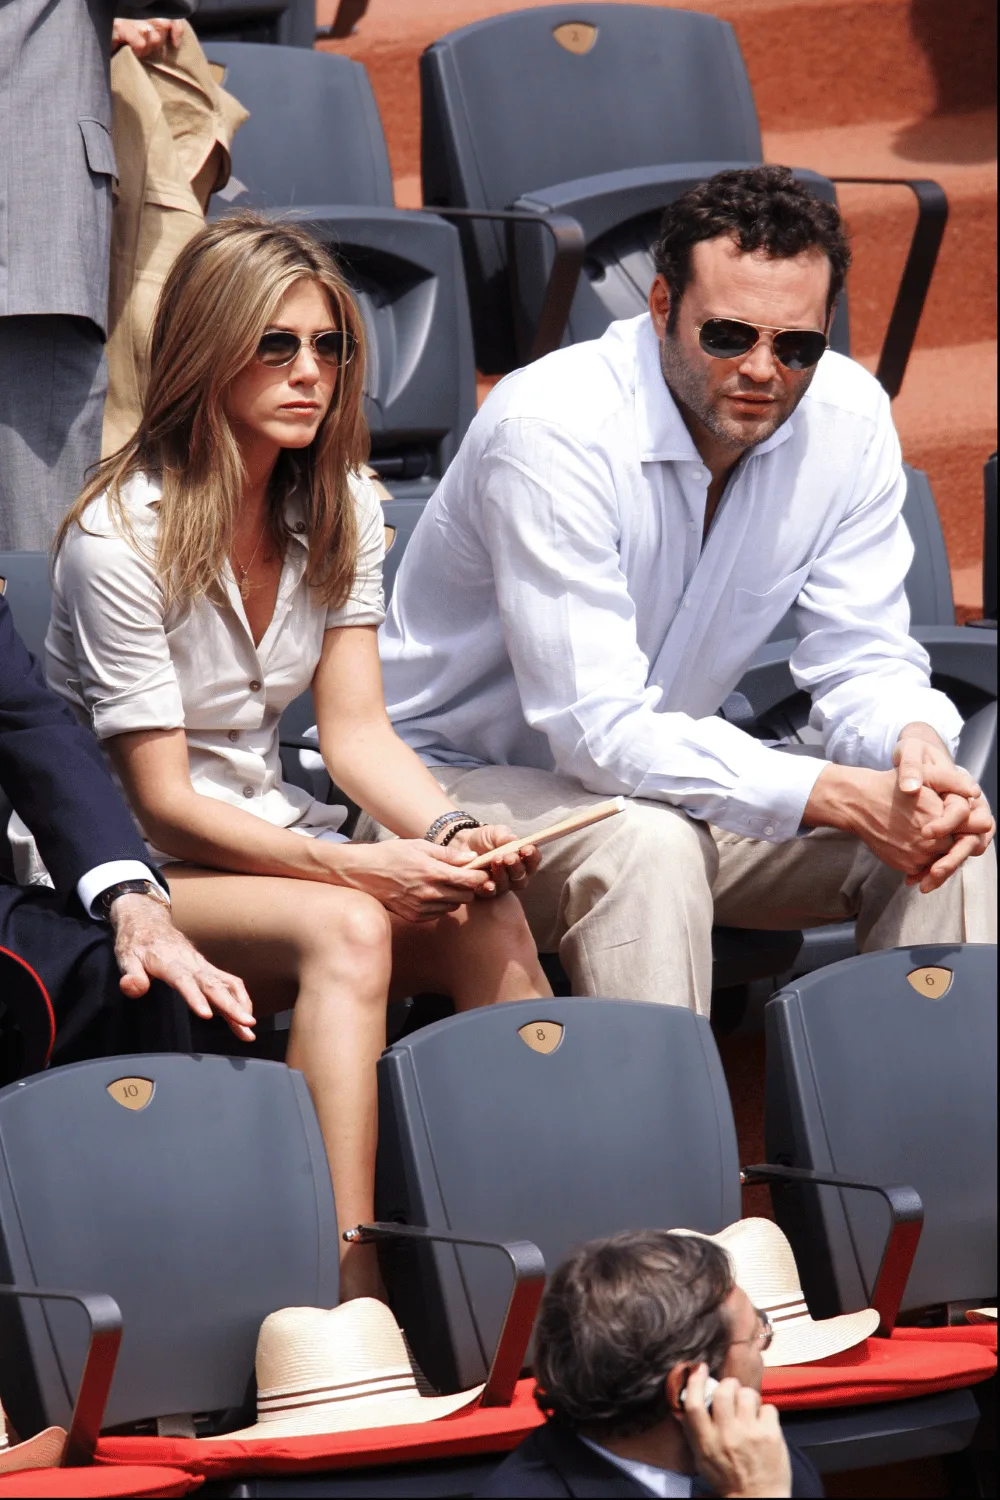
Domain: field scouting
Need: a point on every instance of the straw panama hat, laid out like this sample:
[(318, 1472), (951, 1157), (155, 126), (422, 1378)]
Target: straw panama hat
[(43, 1451), (322, 1371), (764, 1267)]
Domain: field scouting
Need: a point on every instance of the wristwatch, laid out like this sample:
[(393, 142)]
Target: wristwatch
[(107, 898)]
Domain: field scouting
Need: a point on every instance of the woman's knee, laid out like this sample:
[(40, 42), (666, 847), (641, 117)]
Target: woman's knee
[(499, 922), (348, 930)]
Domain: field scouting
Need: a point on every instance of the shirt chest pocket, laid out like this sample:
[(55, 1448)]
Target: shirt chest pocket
[(752, 617)]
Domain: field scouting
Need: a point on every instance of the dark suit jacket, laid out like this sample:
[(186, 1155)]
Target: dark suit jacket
[(54, 774), (553, 1461)]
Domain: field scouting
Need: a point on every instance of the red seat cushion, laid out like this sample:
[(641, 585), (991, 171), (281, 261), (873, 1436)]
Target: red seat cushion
[(877, 1370), (913, 1362), (149, 1482)]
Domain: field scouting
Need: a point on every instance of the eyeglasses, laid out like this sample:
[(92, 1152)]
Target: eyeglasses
[(279, 347), (795, 348), (762, 1334)]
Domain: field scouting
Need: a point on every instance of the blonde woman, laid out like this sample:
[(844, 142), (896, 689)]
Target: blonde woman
[(223, 561)]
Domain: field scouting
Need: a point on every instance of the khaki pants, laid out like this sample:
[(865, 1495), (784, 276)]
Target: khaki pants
[(628, 904)]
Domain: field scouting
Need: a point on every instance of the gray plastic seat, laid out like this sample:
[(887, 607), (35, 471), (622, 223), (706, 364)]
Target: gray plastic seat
[(290, 23), (27, 588), (313, 149), (601, 112), (562, 1120), (187, 1198), (199, 1212), (885, 1067)]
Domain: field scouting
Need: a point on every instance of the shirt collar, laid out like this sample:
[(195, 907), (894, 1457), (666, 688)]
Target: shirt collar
[(660, 428), (294, 510)]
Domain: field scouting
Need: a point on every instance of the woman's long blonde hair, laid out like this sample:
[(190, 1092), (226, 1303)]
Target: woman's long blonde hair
[(218, 299)]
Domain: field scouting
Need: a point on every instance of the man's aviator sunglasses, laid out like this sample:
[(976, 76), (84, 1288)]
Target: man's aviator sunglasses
[(279, 347), (795, 348)]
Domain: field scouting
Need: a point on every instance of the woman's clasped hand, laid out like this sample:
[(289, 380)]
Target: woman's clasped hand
[(421, 881)]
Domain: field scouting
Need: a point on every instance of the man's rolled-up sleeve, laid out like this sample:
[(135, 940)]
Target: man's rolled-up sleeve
[(867, 676), (114, 603), (549, 519)]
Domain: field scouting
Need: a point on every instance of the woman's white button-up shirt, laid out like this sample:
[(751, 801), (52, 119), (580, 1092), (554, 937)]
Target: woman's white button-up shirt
[(124, 660)]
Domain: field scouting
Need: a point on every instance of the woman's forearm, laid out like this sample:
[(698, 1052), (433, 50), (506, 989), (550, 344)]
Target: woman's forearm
[(205, 831), (384, 776)]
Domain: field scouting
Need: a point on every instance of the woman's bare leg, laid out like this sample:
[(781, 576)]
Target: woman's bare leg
[(479, 955), (327, 951)]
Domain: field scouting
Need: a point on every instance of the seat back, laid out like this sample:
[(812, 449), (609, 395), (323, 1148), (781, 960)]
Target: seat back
[(884, 1068), (527, 110), (928, 583), (314, 133), (536, 97), (313, 150), (193, 1190), (27, 588), (549, 1120), (290, 23)]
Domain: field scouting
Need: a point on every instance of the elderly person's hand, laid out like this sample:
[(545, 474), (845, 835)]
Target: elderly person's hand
[(147, 39), (148, 946), (511, 872)]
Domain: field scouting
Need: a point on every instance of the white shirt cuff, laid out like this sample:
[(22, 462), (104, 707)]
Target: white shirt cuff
[(771, 795), (96, 881)]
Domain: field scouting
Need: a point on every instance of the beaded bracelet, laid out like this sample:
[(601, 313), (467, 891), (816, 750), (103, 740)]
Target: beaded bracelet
[(457, 828), (466, 819)]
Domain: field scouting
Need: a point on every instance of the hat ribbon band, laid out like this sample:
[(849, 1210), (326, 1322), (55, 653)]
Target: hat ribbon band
[(333, 1394), (786, 1312)]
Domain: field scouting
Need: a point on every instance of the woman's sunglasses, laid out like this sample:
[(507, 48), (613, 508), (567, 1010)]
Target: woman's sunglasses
[(795, 348), (279, 347)]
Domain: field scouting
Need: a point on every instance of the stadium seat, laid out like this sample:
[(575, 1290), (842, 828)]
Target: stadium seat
[(885, 1067), (313, 149), (525, 110), (193, 1195), (509, 1120), (26, 586), (290, 23)]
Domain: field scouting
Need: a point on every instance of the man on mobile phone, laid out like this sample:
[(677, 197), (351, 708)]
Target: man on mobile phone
[(628, 1333), (626, 523)]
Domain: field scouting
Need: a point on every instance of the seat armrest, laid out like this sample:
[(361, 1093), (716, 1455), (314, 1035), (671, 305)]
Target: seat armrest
[(528, 1267), (104, 1316), (932, 216), (570, 246), (907, 1213)]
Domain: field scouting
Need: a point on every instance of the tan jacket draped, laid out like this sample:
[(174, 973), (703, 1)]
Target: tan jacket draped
[(172, 126)]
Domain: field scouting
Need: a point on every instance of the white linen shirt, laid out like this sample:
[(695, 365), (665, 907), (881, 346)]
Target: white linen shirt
[(555, 606), (123, 660)]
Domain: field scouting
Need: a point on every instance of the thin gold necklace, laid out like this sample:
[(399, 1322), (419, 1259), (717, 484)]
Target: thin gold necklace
[(243, 583)]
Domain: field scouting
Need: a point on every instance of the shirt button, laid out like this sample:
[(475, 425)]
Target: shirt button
[(255, 686), (248, 791), (234, 735), (769, 829)]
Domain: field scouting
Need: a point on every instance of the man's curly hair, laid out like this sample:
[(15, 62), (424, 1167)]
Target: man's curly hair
[(617, 1316), (760, 208)]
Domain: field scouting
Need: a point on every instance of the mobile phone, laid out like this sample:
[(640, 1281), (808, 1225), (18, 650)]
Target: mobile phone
[(711, 1385)]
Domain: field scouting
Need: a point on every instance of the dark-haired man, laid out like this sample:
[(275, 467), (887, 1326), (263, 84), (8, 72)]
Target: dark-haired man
[(630, 1330), (625, 524)]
